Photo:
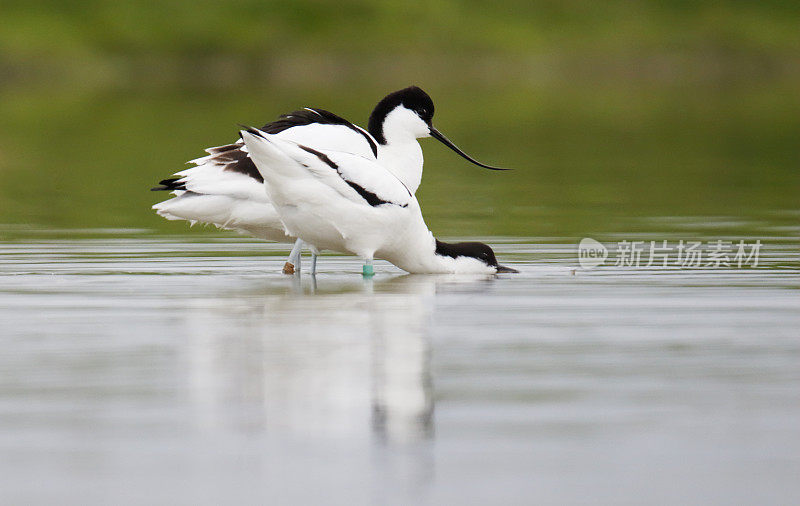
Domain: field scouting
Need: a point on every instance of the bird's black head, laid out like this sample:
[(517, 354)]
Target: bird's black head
[(412, 98), (420, 122), (477, 250)]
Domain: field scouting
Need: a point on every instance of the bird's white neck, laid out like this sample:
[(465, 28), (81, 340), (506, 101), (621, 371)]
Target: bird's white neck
[(400, 152), (414, 250), (404, 160)]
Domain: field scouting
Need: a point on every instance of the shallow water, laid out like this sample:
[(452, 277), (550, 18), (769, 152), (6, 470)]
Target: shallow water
[(143, 369)]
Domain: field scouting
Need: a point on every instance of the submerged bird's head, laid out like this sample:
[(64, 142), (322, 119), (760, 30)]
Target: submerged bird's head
[(408, 114), (473, 251)]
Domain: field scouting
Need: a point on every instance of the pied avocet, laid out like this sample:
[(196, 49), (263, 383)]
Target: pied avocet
[(224, 188), (348, 203)]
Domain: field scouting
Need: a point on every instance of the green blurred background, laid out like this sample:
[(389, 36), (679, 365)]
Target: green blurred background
[(619, 116)]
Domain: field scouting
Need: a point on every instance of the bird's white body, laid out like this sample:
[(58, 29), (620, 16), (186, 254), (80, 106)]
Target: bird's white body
[(216, 195), (313, 192)]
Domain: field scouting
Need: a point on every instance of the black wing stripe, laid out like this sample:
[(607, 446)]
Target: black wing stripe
[(322, 156), (308, 116), (371, 198)]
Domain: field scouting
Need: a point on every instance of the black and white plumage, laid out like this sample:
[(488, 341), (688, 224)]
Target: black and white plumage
[(226, 189), (320, 196)]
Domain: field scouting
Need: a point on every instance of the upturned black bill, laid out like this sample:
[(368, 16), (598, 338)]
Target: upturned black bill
[(444, 140)]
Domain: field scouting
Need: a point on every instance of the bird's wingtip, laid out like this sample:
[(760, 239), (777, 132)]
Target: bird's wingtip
[(250, 130)]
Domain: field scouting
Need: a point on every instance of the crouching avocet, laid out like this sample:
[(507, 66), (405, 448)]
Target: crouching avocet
[(344, 202), (225, 188)]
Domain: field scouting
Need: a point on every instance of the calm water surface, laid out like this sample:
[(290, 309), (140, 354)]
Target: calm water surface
[(155, 370)]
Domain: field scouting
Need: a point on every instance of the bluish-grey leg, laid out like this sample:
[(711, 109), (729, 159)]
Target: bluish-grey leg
[(293, 262)]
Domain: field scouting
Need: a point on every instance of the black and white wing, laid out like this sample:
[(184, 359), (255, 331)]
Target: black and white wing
[(220, 171), (323, 130), (356, 178), (226, 170)]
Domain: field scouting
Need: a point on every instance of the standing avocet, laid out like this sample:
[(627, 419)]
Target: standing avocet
[(344, 202), (224, 188)]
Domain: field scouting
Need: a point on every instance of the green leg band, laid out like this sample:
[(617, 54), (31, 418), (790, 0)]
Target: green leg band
[(367, 270)]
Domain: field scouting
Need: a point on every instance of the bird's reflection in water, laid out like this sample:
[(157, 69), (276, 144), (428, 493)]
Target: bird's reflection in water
[(333, 357), (402, 402)]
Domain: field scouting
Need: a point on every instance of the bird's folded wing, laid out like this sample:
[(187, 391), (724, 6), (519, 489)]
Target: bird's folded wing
[(370, 180), (355, 177), (324, 130)]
